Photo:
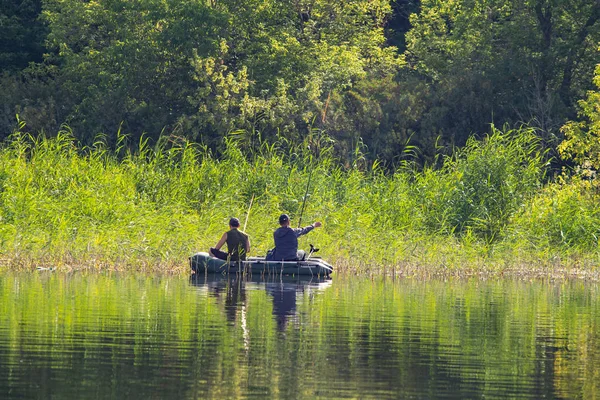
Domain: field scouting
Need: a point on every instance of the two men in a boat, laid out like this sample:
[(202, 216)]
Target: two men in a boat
[(286, 242), (238, 243)]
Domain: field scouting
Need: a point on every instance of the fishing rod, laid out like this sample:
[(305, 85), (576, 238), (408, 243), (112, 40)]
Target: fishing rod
[(305, 197), (248, 213)]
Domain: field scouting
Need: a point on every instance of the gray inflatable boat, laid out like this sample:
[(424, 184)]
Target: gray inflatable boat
[(204, 263)]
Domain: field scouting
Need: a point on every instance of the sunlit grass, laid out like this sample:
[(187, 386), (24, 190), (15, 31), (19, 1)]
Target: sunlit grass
[(486, 209)]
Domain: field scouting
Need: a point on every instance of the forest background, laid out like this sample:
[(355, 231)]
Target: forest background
[(181, 111)]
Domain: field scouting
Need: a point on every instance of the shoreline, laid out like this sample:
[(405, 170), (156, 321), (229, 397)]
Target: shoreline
[(342, 268)]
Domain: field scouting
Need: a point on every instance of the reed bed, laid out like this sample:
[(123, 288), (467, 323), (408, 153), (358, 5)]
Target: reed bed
[(489, 209)]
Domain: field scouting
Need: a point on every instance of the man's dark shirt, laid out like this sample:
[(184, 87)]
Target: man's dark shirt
[(286, 242), (236, 244)]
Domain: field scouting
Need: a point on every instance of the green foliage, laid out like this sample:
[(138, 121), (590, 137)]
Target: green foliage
[(89, 207), (378, 113), (582, 139), (503, 62), (564, 215), (203, 69), (482, 185), (23, 34), (129, 62), (278, 69), (399, 23), (223, 101)]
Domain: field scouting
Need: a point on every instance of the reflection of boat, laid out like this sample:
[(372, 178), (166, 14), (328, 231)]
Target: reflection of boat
[(203, 262), (298, 282), (281, 288)]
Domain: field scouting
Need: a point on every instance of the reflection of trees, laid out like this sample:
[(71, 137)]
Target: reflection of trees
[(156, 337), (441, 337)]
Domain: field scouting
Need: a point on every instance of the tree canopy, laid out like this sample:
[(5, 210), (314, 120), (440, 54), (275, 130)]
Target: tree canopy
[(380, 77)]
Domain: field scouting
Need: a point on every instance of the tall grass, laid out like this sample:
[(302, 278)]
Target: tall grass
[(482, 185), (67, 206), (562, 220)]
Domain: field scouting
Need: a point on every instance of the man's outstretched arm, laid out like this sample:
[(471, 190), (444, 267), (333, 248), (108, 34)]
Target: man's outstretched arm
[(306, 229)]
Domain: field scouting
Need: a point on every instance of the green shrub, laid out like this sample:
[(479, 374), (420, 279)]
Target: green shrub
[(482, 185), (565, 215)]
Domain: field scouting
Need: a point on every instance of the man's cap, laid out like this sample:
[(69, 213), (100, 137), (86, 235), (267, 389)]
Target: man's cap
[(234, 222), (283, 218)]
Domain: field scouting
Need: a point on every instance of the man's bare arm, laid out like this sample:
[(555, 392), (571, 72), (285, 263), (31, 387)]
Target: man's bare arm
[(221, 241)]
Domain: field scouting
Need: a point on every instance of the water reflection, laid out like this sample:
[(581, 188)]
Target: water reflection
[(284, 290), (137, 336)]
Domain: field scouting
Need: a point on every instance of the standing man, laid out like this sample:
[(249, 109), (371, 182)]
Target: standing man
[(238, 243), (286, 240)]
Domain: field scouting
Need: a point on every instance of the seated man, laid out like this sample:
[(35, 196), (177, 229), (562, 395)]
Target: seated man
[(286, 240), (238, 243)]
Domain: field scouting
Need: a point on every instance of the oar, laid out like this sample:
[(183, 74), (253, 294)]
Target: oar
[(248, 213)]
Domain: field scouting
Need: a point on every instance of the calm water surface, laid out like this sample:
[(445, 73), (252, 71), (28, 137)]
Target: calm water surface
[(109, 336)]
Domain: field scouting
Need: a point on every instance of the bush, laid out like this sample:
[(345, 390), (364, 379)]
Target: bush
[(565, 215), (480, 187)]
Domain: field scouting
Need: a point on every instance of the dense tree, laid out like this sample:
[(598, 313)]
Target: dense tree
[(503, 61), (208, 68), (23, 34), (129, 62), (23, 85), (399, 23), (382, 78), (582, 138)]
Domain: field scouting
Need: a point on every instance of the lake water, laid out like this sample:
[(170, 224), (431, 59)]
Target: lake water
[(96, 336)]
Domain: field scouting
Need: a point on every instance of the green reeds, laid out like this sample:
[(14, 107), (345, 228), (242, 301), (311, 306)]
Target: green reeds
[(65, 206)]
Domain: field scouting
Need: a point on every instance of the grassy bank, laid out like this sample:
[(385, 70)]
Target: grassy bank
[(486, 209)]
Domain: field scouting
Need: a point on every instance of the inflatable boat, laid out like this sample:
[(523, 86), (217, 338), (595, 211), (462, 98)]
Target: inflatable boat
[(314, 266)]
